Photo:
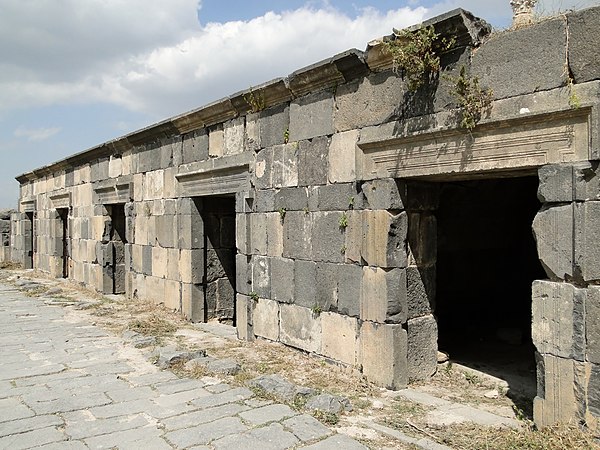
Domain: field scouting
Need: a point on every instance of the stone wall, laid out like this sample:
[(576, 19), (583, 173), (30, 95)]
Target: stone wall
[(333, 250)]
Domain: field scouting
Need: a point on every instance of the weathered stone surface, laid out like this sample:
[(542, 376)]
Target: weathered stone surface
[(383, 295), (290, 199), (383, 194), (594, 390), (349, 289), (420, 290), (422, 238), (335, 197), (275, 234), (305, 283), (328, 237), (384, 239), (167, 356), (558, 325), (258, 233), (342, 157), (234, 138), (340, 337), (311, 116), (216, 141), (264, 201), (312, 161), (261, 276), (556, 183), (297, 235), (243, 274), (326, 287), (328, 403), (422, 347), (583, 47), (383, 354), (553, 232), (192, 301), (195, 146), (278, 386), (273, 124), (244, 307), (587, 240), (300, 328), (222, 366), (368, 101), (546, 58), (282, 274), (265, 319), (592, 331)]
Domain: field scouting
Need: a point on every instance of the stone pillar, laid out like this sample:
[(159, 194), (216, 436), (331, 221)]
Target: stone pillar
[(522, 12)]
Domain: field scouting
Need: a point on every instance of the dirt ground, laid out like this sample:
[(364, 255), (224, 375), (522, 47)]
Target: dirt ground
[(377, 413)]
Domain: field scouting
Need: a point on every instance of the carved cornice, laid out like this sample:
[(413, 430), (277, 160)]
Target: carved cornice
[(61, 199), (110, 192)]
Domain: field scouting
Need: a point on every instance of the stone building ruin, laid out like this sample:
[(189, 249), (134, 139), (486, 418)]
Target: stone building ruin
[(338, 212)]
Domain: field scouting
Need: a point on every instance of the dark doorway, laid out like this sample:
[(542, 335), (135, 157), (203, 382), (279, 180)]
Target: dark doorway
[(486, 263), (29, 240), (117, 243), (63, 215), (218, 216)]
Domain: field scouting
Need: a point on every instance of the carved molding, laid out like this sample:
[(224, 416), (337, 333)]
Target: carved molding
[(113, 194), (519, 143), (61, 199), (225, 175), (27, 204)]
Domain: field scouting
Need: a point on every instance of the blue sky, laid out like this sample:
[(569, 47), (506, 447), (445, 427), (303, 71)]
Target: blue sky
[(74, 73)]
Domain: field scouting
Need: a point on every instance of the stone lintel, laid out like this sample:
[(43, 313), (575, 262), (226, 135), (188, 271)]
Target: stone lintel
[(529, 141), (27, 204), (61, 199), (113, 191)]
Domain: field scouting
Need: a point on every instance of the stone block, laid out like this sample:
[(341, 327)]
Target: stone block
[(300, 327), (282, 280), (383, 295), (384, 236), (258, 233), (220, 299), (173, 295), (265, 319), (219, 264), (154, 185), (383, 354), (160, 262), (173, 264), (243, 275), (261, 276), (592, 331), (340, 337), (558, 404), (192, 302), (290, 199), (593, 390), (587, 240), (115, 166), (99, 170), (274, 234), (556, 183), (147, 260), (385, 193), (553, 232), (311, 116), (273, 124), (312, 161), (190, 231), (305, 283), (583, 44), (422, 238), (234, 136), (242, 233), (420, 196), (349, 289), (342, 157), (422, 347), (297, 235), (263, 169), (558, 325), (420, 290), (284, 170), (546, 59), (328, 237), (244, 307), (354, 237), (216, 141), (264, 200), (335, 197), (166, 231), (252, 135), (228, 231), (191, 265)]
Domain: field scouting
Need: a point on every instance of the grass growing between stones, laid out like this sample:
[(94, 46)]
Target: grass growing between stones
[(153, 325)]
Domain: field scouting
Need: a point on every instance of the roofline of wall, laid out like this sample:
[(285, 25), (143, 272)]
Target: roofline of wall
[(328, 73)]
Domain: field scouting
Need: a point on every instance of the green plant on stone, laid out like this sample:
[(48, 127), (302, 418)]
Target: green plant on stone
[(574, 101), (286, 136), (472, 99), (415, 54), (317, 309), (254, 296), (343, 250), (282, 212), (255, 100), (343, 222), (351, 203)]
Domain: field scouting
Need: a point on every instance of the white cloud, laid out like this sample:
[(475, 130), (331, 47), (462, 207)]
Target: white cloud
[(36, 134)]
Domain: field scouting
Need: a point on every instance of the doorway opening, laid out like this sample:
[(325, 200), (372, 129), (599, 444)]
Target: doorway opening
[(486, 263), (29, 240), (117, 243), (218, 216), (63, 215)]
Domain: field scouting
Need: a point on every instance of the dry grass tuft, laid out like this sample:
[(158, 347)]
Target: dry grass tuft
[(153, 325)]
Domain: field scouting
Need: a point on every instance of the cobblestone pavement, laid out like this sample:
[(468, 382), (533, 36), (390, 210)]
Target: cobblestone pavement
[(67, 384)]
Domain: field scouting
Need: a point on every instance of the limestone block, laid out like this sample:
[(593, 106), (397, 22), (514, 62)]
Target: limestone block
[(263, 169), (340, 337), (422, 347), (385, 193), (297, 235), (328, 237), (147, 260), (300, 328), (191, 265), (368, 101), (99, 170), (420, 290), (290, 199), (383, 241), (273, 124), (261, 276), (258, 233), (252, 135), (383, 354), (136, 258), (354, 237), (140, 233), (220, 298), (264, 200), (170, 184), (349, 289), (284, 170), (558, 325), (583, 44), (274, 234), (383, 295), (149, 157), (546, 59), (195, 146), (138, 187), (216, 141), (243, 275), (155, 290), (244, 306), (593, 390), (558, 404), (190, 231), (234, 136), (166, 230), (126, 163), (592, 330), (265, 319), (553, 232), (282, 280), (312, 161), (311, 116), (336, 197), (173, 295), (153, 185), (160, 262), (242, 233), (245, 201), (342, 157), (305, 283), (587, 240), (115, 166), (192, 302), (556, 183)]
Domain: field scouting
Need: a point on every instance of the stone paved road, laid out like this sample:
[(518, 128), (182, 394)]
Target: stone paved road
[(67, 384)]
